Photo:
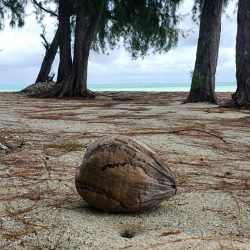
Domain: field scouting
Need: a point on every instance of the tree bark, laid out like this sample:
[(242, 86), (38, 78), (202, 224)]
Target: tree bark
[(241, 98), (65, 63), (75, 83), (203, 79), (48, 59), (83, 47)]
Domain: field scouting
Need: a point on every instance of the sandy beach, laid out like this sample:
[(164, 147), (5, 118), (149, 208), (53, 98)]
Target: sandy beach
[(42, 143)]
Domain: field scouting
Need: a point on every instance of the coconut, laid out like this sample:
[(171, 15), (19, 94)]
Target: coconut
[(121, 174)]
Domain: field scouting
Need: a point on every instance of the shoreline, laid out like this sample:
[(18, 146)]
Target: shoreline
[(141, 87), (129, 91)]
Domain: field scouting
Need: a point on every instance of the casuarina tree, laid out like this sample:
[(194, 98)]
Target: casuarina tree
[(50, 54), (14, 12), (63, 14), (141, 26), (241, 98), (51, 48), (203, 76)]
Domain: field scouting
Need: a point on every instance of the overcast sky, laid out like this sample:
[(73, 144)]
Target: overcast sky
[(23, 52)]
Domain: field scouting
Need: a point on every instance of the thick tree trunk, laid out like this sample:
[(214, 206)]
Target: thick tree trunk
[(203, 79), (81, 56), (65, 63), (48, 59), (75, 83), (241, 98), (83, 47)]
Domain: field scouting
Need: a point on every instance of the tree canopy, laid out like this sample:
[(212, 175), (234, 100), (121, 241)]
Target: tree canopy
[(14, 11), (143, 26), (140, 26)]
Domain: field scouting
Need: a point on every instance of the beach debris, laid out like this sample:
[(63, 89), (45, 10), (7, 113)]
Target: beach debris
[(121, 174), (38, 88), (3, 147)]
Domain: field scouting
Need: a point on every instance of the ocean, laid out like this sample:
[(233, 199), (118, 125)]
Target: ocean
[(148, 87)]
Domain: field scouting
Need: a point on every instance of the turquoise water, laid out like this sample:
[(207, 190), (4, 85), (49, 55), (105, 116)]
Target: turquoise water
[(149, 87)]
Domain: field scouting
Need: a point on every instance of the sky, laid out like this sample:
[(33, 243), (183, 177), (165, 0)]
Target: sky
[(22, 53)]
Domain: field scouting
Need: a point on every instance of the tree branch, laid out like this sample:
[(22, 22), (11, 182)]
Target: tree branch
[(94, 22), (45, 42), (46, 10)]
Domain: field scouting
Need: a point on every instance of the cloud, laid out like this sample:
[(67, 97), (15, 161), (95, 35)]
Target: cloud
[(23, 53)]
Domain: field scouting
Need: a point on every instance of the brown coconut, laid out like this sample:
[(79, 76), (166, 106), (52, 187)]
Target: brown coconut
[(121, 174)]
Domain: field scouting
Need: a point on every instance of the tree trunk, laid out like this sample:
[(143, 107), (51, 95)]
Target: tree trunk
[(81, 55), (203, 79), (82, 50), (75, 83), (48, 59), (65, 63), (241, 98)]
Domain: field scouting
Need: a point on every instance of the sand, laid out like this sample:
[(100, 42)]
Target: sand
[(42, 142)]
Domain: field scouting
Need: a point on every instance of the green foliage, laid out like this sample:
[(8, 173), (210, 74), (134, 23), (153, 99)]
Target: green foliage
[(13, 11), (141, 26), (44, 7), (197, 9)]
